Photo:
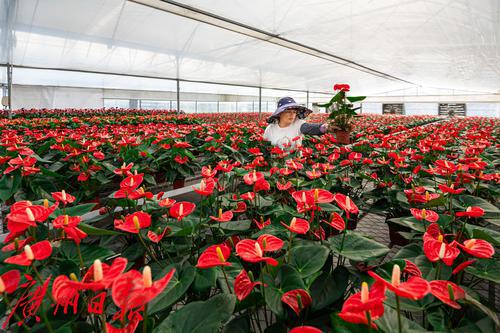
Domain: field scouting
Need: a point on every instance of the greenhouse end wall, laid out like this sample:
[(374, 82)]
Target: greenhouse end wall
[(30, 96)]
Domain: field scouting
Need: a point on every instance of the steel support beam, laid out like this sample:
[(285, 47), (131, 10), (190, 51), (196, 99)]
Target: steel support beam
[(260, 102), (9, 90), (178, 95)]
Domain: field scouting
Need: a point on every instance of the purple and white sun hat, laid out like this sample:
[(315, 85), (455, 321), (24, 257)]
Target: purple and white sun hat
[(286, 103)]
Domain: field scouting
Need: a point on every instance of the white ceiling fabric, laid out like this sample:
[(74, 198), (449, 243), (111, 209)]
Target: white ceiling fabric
[(448, 44)]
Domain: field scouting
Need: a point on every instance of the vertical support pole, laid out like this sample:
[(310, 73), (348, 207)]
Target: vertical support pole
[(218, 106), (178, 96), (9, 90), (307, 99), (260, 102), (195, 106)]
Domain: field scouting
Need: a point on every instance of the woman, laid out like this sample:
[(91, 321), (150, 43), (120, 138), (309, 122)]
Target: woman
[(287, 124)]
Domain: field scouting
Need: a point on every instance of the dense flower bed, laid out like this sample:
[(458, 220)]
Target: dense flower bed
[(80, 154), (272, 243)]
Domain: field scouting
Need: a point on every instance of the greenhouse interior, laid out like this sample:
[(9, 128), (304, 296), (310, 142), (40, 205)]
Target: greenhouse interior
[(207, 166)]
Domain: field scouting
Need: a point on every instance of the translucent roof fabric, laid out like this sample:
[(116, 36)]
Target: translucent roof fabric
[(434, 44)]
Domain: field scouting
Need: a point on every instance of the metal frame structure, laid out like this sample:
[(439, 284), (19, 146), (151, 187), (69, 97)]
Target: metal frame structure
[(199, 15)]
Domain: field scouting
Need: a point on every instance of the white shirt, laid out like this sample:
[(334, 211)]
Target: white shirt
[(283, 136)]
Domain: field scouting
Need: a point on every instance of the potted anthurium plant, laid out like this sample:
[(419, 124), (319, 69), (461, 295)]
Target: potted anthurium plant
[(342, 111)]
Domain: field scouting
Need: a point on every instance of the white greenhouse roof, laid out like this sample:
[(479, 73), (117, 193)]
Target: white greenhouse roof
[(378, 47)]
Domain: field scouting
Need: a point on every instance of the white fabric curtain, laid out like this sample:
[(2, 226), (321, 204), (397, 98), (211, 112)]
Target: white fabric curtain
[(440, 44)]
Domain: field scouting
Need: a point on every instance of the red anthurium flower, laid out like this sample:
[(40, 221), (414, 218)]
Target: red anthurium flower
[(284, 187), (355, 156), (446, 167), (383, 161), (69, 224), (420, 195), (23, 214), (63, 197), (181, 209), (166, 203), (38, 251), (62, 292), (471, 211), (462, 266), (451, 189), (270, 243), (83, 177), (156, 238), (447, 292), (253, 251), (133, 289), (345, 163), (294, 165), (224, 166), (298, 226), (261, 185), (286, 171), (415, 288), (25, 164), (480, 165), (134, 222), (250, 196), (255, 151), (262, 224), (297, 299), (215, 255), (17, 244), (252, 177), (11, 236), (424, 214), (132, 182), (243, 285), (433, 232), (241, 207), (305, 201), (438, 250), (314, 174), (9, 281), (322, 196), (182, 144), (357, 306), (208, 172), (346, 203), (223, 216), (305, 329), (124, 170), (98, 155), (140, 193), (206, 188), (181, 160), (128, 185), (336, 221), (100, 275), (411, 269), (341, 87), (478, 248)]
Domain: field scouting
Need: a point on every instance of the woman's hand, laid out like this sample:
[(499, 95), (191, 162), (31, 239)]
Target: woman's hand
[(330, 128)]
